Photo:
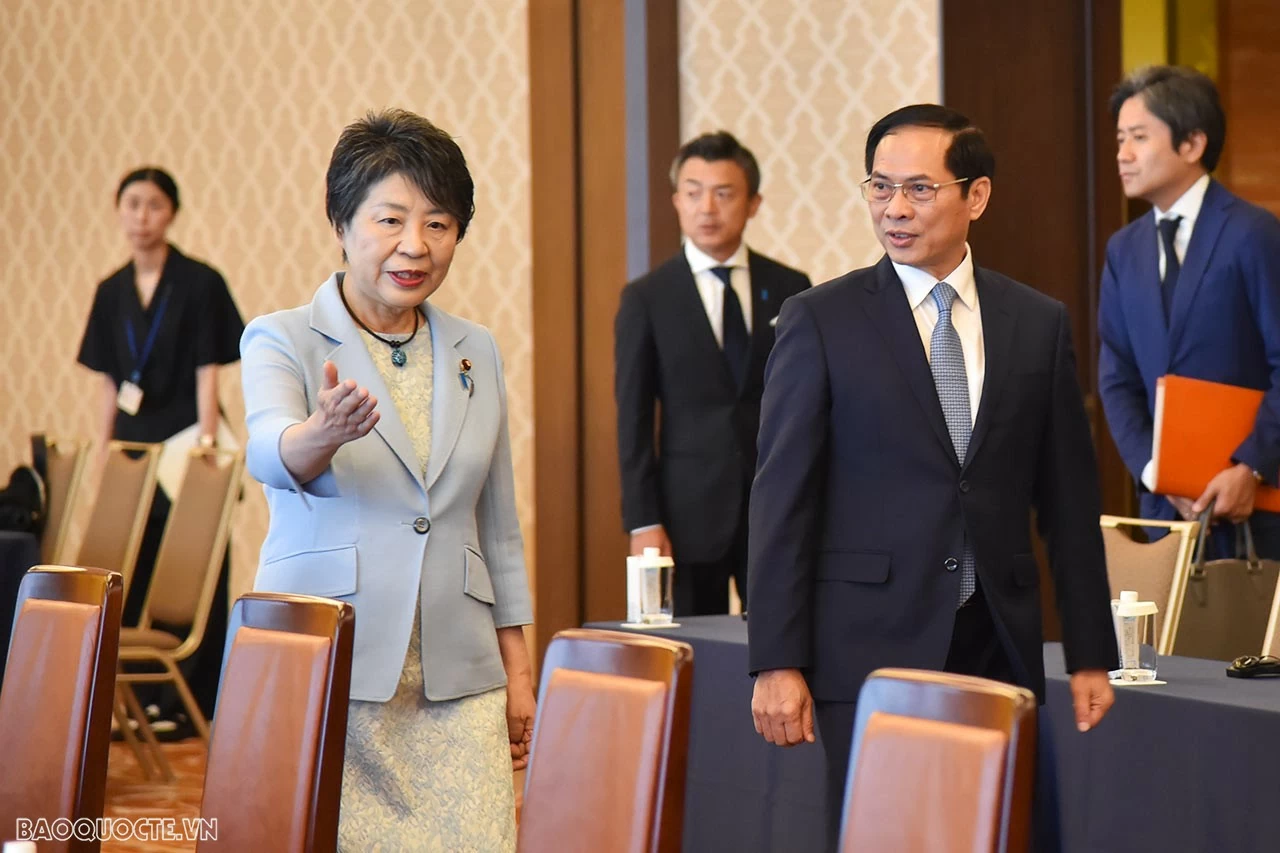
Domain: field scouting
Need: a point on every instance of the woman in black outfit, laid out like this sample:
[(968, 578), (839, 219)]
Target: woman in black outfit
[(159, 328)]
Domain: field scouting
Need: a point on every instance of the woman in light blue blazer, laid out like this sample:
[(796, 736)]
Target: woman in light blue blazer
[(378, 428)]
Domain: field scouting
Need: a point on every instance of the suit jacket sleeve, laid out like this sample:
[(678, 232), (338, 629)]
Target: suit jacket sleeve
[(1120, 384), (636, 394), (1067, 509), (786, 497), (1261, 269), (275, 398), (499, 526)]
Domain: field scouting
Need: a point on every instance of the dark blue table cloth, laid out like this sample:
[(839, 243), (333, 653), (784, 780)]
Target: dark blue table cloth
[(1192, 766), (18, 552)]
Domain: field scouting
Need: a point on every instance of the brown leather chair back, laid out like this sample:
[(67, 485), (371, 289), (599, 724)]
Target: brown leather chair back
[(607, 770), (65, 460), (55, 706), (274, 777), (120, 511), (189, 561), (964, 746)]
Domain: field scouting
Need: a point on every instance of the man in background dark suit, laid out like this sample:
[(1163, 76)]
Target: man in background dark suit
[(1191, 289), (692, 338), (914, 415)]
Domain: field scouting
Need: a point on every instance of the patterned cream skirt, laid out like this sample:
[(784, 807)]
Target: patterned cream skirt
[(427, 776)]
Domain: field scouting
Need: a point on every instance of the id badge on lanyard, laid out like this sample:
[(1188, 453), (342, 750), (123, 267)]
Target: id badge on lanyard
[(129, 397)]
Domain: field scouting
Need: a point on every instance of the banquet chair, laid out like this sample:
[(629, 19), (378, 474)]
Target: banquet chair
[(274, 775), (181, 592), (1157, 570), (55, 720), (65, 463), (966, 746), (128, 484), (610, 744)]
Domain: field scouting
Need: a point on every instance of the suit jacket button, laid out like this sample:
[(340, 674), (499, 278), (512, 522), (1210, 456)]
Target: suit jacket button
[(964, 487), (421, 524), (951, 564)]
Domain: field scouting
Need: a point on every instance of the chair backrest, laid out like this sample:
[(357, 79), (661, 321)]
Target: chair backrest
[(120, 511), (1157, 570), (55, 705), (65, 461), (610, 743), (189, 561), (1271, 641), (274, 776), (964, 746)]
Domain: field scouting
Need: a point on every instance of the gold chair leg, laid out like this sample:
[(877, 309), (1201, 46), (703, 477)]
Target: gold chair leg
[(122, 720), (148, 735), (188, 699)]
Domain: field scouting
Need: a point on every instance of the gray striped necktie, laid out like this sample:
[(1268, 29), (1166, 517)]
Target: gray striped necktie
[(946, 360)]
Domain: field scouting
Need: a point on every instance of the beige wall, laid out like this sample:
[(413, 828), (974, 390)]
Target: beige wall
[(242, 101), (800, 83)]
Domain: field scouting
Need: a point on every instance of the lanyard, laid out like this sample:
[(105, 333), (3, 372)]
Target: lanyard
[(140, 359)]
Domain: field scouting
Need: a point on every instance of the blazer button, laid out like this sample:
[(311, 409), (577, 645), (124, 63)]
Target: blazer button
[(964, 487), (951, 564), (421, 524)]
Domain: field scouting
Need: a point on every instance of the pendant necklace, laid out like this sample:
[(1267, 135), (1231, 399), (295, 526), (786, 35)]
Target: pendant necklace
[(398, 358)]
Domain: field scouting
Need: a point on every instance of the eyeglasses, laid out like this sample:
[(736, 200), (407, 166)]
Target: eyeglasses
[(917, 192)]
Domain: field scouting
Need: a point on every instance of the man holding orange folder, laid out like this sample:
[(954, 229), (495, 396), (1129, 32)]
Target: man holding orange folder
[(1190, 290)]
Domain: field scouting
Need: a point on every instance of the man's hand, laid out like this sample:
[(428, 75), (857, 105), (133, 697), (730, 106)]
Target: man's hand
[(1233, 491), (1092, 696), (1186, 507), (654, 537), (782, 707)]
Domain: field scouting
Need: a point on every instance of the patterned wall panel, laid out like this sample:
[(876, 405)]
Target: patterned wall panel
[(800, 82), (242, 100)]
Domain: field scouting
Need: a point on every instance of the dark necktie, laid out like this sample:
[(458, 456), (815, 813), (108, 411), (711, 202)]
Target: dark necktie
[(737, 345), (1169, 228)]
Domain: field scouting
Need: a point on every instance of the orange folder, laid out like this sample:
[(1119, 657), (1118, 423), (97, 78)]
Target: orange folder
[(1198, 426)]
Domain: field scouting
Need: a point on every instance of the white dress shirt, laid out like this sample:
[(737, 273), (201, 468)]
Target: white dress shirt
[(966, 316), (1188, 207), (711, 288)]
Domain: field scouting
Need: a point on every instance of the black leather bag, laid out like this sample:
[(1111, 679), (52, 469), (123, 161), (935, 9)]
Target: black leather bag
[(24, 501)]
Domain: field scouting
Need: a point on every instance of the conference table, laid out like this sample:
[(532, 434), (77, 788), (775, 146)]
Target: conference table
[(18, 552), (1192, 765)]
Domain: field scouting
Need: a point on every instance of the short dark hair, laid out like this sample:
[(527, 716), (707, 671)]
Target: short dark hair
[(162, 179), (397, 142), (721, 145), (1184, 99), (968, 156)]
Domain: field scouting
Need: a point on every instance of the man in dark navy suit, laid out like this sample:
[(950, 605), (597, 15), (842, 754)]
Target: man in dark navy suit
[(914, 414), (692, 338), (1192, 289)]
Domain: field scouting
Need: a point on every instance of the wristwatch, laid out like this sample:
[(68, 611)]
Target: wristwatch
[(1258, 478)]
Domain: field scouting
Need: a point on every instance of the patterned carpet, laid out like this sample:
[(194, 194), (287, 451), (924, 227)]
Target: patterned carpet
[(131, 796)]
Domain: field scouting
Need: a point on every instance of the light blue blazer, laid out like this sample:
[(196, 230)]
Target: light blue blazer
[(371, 530)]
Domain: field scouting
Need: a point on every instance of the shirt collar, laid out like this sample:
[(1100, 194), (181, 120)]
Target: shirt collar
[(919, 284), (1188, 204), (700, 261)]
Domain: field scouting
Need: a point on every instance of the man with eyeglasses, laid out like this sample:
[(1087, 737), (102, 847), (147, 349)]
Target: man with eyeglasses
[(915, 413), (1190, 289)]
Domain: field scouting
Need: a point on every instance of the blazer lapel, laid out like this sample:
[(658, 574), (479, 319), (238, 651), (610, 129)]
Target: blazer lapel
[(329, 317), (999, 319), (1209, 224), (1146, 288), (764, 308), (449, 399), (891, 316)]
